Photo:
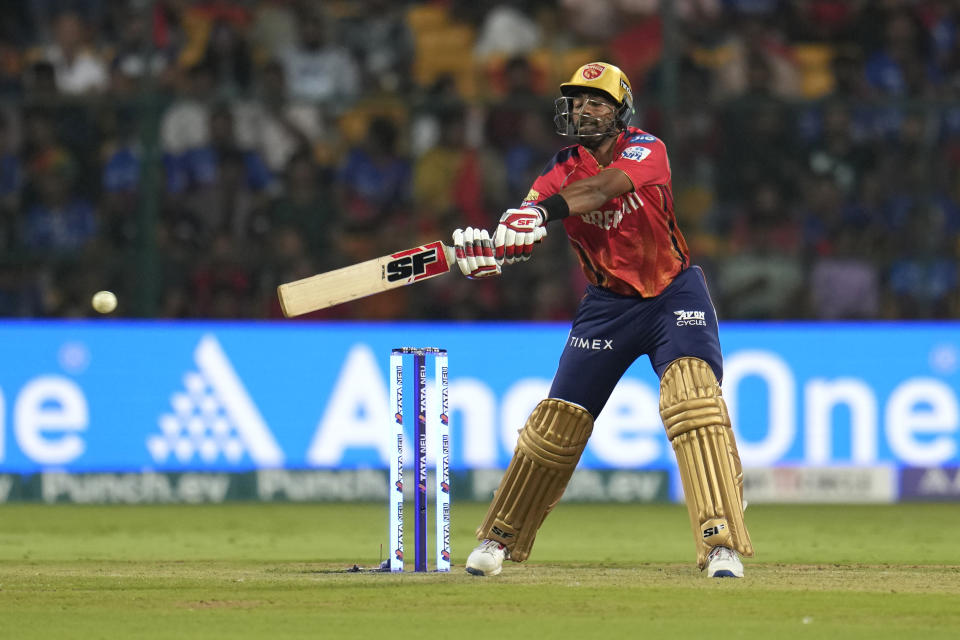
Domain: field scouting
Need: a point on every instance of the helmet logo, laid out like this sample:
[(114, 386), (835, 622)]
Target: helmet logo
[(592, 71)]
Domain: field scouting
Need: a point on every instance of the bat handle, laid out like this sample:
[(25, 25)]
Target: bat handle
[(451, 255)]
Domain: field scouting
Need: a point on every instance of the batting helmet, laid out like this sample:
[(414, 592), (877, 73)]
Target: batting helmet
[(596, 77)]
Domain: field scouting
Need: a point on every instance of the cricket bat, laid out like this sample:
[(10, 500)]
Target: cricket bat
[(366, 278)]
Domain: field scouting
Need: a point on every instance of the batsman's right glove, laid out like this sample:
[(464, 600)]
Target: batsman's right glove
[(516, 234)]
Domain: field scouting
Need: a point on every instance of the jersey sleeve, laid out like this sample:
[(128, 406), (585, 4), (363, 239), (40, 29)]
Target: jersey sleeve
[(644, 160), (550, 180), (540, 190)]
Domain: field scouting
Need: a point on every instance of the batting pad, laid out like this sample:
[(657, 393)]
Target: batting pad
[(547, 452), (698, 425)]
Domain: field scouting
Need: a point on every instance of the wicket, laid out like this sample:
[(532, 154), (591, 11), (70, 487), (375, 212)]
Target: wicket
[(430, 415)]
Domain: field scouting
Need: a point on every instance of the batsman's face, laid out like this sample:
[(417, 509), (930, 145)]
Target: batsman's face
[(592, 114)]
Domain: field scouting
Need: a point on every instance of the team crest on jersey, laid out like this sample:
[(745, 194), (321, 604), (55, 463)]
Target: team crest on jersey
[(592, 71), (637, 154)]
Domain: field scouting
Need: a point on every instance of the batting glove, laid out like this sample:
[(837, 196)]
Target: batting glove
[(516, 234), (475, 253)]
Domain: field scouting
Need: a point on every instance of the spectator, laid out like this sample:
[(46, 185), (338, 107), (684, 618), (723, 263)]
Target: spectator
[(523, 157), (453, 181), (379, 35), (40, 143), (923, 276), (229, 60), (40, 83), (507, 31), (306, 208), (19, 294), (826, 21), (902, 65), (318, 69), (120, 181), (225, 184), (822, 214), (137, 55), (845, 283), (78, 69), (374, 179), (11, 182), (276, 125), (849, 81), (185, 124), (592, 21), (11, 68), (763, 278), (440, 98), (221, 284), (505, 118), (196, 21), (197, 166), (759, 139), (752, 40), (274, 24), (72, 122), (835, 153), (58, 220)]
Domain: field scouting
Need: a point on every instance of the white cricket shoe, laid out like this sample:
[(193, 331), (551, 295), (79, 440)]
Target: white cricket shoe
[(724, 563), (486, 559)]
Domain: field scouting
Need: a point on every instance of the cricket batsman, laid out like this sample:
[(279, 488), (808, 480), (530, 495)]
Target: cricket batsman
[(611, 191)]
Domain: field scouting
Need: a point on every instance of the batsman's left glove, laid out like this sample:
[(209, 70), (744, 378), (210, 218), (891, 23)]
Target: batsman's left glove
[(475, 253)]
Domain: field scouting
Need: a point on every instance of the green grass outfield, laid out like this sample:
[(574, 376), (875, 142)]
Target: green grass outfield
[(598, 571)]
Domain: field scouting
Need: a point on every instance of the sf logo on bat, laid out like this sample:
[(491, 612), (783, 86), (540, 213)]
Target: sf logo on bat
[(415, 264)]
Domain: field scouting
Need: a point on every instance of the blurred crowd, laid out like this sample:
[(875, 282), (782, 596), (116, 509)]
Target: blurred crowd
[(192, 154)]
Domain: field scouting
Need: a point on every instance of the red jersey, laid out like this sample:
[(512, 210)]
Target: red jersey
[(631, 245)]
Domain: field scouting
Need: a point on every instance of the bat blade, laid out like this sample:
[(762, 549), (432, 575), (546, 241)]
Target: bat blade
[(365, 278)]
